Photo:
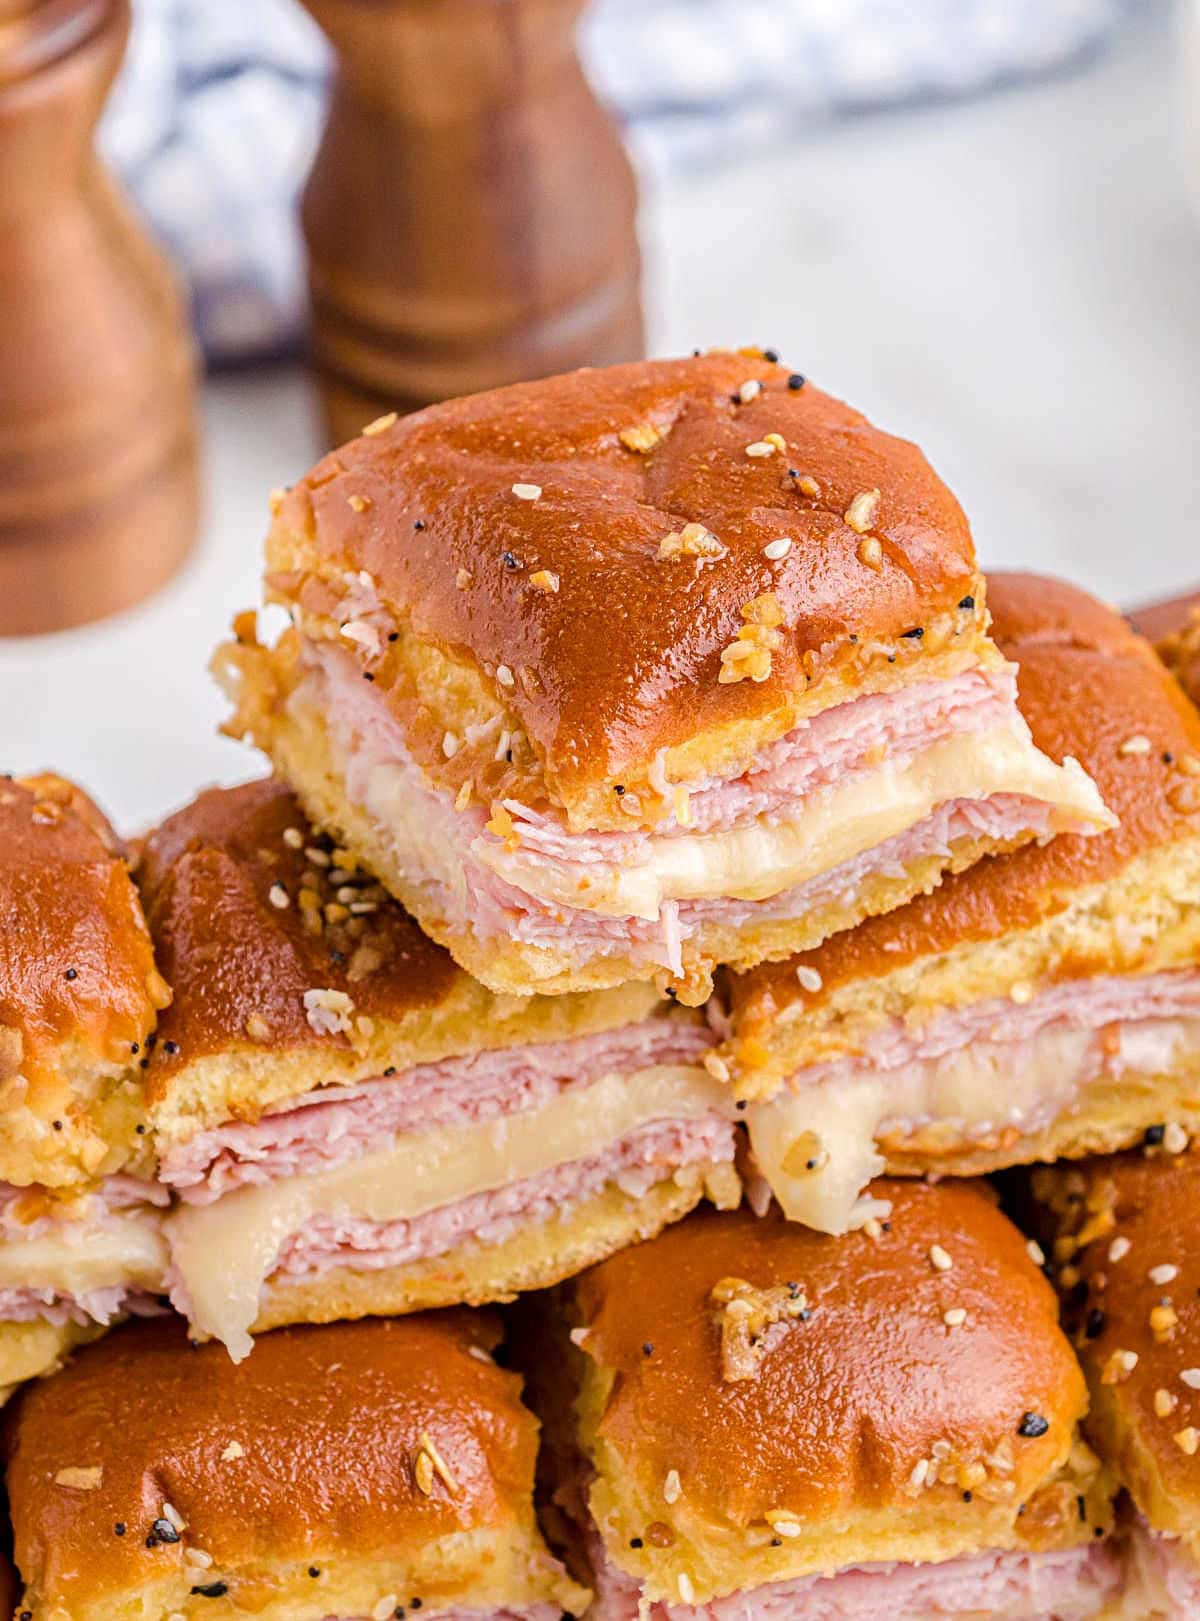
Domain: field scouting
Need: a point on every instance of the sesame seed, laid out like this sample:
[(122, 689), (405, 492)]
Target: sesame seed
[(1191, 1378), (1175, 1138), (686, 1591), (955, 1317), (1021, 992), (872, 1227), (1119, 1248), (234, 1450), (860, 514), (527, 492), (505, 676), (1188, 1440), (796, 381), (783, 1524), (1137, 744), (939, 1259), (716, 1067), (1032, 1426), (1164, 1403), (807, 485), (462, 579), (759, 449), (750, 390), (357, 503), (545, 581), (1035, 1252), (776, 439), (775, 549), (919, 1471), (257, 1027), (380, 424), (809, 979), (385, 1608), (279, 897), (672, 1489), (80, 1480), (1163, 1274), (449, 745), (293, 838)]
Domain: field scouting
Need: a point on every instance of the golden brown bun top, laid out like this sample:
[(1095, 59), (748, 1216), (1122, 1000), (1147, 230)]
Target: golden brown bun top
[(844, 1405), (76, 963), (623, 658), (208, 875), (309, 1446), (1088, 687), (1148, 1207)]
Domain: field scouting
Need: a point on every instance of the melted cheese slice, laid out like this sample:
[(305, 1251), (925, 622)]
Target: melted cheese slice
[(832, 826), (128, 1252), (815, 1144), (225, 1251)]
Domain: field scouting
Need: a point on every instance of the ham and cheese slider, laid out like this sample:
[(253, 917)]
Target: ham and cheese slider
[(1044, 1004), (622, 674), (358, 1472), (353, 1125), (1123, 1232), (79, 995), (759, 1420)]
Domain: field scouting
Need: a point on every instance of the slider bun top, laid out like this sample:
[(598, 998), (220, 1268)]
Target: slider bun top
[(871, 1429), (78, 988), (1090, 688), (1124, 1230), (243, 900), (298, 1472), (614, 652)]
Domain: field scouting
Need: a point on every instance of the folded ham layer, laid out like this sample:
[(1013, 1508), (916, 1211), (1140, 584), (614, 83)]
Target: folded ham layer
[(994, 1067), (852, 779), (1162, 1577), (89, 1259), (531, 1612), (323, 1128), (1072, 1584), (429, 1191)]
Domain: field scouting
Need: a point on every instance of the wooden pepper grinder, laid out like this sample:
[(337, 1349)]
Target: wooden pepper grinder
[(470, 215), (98, 480)]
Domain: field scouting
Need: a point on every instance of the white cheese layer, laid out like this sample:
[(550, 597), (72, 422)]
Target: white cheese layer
[(225, 1251), (815, 1145), (76, 1257)]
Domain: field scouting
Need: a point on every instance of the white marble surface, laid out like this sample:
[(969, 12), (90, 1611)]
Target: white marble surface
[(1015, 283)]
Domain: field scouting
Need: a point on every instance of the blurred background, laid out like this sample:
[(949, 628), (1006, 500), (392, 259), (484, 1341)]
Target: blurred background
[(978, 220)]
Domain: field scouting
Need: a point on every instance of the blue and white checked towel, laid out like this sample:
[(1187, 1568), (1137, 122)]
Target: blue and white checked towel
[(216, 115)]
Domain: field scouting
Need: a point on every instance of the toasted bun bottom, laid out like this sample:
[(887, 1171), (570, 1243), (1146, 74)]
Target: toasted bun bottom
[(299, 747), (33, 1350), (539, 1254)]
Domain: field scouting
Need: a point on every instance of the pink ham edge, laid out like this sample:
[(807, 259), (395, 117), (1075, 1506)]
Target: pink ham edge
[(1142, 1019), (639, 1161), (810, 758), (1074, 1584), (1160, 1571), (326, 1127)]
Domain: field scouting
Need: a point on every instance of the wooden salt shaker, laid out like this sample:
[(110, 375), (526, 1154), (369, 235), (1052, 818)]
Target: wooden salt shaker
[(98, 480), (470, 215)]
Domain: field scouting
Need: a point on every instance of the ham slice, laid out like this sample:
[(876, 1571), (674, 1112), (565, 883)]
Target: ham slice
[(534, 892), (326, 1127), (1072, 1584), (1162, 1577)]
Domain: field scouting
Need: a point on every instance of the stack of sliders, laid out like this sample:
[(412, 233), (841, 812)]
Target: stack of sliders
[(1045, 1004), (596, 689)]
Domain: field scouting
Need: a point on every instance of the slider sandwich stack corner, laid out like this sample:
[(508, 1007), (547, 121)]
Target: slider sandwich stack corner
[(677, 852)]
